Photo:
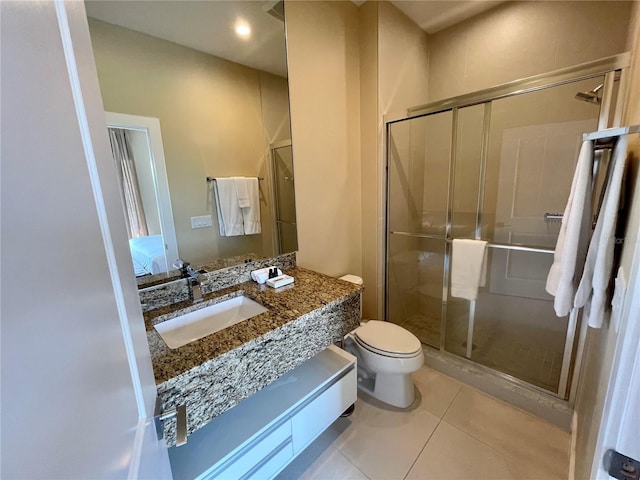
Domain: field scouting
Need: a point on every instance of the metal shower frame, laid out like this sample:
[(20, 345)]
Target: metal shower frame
[(613, 68)]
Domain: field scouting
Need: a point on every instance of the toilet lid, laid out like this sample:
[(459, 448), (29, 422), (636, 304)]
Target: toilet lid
[(388, 337)]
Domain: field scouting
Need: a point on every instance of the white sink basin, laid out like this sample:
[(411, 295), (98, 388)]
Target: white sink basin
[(197, 324)]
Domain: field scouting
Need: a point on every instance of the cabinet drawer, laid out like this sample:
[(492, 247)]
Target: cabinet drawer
[(323, 410), (273, 464), (243, 462)]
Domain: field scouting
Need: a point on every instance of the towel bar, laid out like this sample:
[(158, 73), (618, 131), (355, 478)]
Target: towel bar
[(211, 179)]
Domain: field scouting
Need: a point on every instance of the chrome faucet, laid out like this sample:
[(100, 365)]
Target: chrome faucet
[(194, 277)]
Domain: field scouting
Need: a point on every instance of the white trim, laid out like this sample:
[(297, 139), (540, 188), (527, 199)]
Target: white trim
[(151, 126), (138, 448)]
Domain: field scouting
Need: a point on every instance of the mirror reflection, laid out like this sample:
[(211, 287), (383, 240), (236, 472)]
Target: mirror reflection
[(198, 90)]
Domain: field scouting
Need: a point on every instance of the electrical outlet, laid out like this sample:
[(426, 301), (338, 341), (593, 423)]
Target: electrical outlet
[(203, 221)]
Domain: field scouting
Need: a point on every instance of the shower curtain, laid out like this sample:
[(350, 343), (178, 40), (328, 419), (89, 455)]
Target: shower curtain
[(121, 149)]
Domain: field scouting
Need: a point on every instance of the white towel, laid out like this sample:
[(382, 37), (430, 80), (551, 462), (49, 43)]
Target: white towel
[(242, 190), (592, 291), (560, 281), (262, 275), (251, 215), (468, 267), (229, 213)]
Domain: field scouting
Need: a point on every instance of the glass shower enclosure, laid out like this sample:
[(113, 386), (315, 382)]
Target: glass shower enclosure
[(496, 165), (284, 201)]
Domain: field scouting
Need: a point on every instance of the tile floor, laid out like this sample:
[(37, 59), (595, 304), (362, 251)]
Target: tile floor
[(451, 432)]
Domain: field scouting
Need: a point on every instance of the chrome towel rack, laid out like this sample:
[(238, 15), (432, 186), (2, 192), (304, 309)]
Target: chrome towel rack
[(211, 179)]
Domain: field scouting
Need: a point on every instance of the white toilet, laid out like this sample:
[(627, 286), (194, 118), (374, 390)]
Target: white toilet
[(387, 356)]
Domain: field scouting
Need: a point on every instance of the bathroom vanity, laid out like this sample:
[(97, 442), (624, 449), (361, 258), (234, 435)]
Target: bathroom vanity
[(221, 378), (261, 435)]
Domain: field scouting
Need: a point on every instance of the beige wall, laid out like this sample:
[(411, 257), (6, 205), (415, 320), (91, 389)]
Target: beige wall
[(403, 61), (601, 343), (212, 123), (372, 194), (393, 51), (324, 81), (520, 39)]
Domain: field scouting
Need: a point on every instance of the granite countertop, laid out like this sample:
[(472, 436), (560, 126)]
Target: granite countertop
[(310, 292)]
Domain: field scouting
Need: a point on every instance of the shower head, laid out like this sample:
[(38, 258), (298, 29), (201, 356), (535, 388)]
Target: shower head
[(591, 96)]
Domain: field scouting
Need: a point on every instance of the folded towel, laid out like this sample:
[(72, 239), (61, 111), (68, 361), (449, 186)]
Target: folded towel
[(262, 275), (468, 268), (229, 213), (592, 291), (242, 190), (251, 215), (560, 281)]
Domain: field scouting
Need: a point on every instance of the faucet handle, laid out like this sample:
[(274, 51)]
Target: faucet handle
[(182, 266)]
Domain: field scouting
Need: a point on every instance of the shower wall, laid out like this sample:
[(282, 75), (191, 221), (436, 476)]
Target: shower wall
[(520, 39)]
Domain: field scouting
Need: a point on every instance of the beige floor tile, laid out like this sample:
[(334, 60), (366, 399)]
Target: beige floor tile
[(452, 454), (534, 444), (381, 441), (437, 391), (320, 461)]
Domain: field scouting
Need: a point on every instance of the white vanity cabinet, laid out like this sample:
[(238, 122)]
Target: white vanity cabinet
[(261, 435)]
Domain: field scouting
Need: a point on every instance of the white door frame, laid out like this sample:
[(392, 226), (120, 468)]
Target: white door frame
[(151, 126)]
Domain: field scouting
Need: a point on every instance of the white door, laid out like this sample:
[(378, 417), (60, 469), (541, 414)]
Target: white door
[(620, 421), (77, 384)]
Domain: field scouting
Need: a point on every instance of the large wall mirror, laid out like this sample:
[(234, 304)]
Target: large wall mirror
[(196, 91)]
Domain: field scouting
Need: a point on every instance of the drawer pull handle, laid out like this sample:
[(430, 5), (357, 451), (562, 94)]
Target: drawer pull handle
[(180, 412)]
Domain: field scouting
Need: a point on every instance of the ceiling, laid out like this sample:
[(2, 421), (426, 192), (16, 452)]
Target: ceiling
[(208, 26), (435, 15)]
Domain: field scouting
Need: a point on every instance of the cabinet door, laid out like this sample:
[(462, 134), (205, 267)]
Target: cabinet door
[(322, 411)]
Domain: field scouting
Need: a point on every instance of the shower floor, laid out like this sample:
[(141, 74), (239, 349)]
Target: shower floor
[(527, 354)]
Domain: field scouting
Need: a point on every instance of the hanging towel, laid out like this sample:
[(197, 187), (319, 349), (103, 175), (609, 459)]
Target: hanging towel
[(229, 213), (560, 281), (251, 215), (468, 268), (592, 291), (242, 190)]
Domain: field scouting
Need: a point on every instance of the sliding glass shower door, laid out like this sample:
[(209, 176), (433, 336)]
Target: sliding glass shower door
[(500, 171)]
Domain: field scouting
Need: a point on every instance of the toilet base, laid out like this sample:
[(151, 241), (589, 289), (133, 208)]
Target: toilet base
[(395, 389)]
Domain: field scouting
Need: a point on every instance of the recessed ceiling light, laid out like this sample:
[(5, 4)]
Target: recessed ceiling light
[(243, 30)]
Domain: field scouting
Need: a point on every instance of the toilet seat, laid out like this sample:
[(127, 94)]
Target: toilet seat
[(387, 339)]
